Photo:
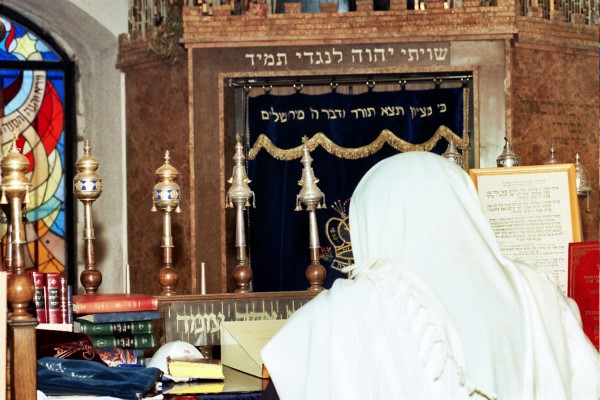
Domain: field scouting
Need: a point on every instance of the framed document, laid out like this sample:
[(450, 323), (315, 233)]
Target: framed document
[(534, 213)]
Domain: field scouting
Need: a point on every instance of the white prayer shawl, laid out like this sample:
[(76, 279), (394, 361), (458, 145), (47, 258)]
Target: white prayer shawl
[(433, 309)]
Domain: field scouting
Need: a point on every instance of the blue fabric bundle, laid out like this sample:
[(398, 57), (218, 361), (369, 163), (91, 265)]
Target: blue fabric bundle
[(80, 377)]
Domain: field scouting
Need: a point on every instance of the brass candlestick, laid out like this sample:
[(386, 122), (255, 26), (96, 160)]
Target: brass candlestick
[(15, 192), (166, 196), (311, 196), (87, 187), (238, 197)]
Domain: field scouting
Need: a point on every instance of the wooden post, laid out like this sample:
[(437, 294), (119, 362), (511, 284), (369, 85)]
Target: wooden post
[(23, 363)]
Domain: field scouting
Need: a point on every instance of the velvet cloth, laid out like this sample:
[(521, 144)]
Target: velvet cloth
[(80, 377), (433, 309), (66, 345), (278, 236)]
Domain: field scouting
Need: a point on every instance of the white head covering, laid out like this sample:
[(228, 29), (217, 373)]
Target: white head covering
[(447, 316)]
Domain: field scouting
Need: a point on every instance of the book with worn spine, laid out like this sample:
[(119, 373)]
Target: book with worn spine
[(584, 285), (139, 341), (113, 302), (53, 298), (115, 328), (39, 296), (129, 316)]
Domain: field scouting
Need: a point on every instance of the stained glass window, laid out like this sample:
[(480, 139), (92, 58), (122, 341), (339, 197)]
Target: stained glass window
[(33, 89)]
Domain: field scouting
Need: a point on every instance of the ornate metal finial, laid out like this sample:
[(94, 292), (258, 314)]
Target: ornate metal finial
[(87, 187), (238, 197), (583, 182), (453, 155), (552, 159), (15, 189), (311, 196), (508, 158), (166, 196)]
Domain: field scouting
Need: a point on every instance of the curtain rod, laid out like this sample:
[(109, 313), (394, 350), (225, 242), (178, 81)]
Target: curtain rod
[(335, 80)]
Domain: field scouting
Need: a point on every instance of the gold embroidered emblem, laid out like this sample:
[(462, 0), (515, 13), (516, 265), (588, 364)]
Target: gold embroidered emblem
[(337, 232)]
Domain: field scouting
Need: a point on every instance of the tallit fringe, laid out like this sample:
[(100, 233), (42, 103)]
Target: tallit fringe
[(435, 351)]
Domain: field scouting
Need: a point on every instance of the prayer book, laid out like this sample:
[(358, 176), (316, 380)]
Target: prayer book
[(112, 328), (113, 302), (584, 284), (195, 368), (139, 341), (102, 318)]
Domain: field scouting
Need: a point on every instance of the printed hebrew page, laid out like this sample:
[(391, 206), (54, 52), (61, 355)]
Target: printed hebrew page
[(533, 214)]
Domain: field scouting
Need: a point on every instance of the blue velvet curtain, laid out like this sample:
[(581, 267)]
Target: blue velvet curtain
[(344, 131)]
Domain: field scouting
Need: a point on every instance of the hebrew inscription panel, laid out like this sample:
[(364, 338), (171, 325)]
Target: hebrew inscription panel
[(338, 56), (199, 321)]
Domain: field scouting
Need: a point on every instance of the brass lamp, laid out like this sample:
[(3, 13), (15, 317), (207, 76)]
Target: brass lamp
[(166, 196), (311, 196)]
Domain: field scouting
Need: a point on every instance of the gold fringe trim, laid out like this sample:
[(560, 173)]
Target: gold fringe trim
[(466, 105), (386, 136)]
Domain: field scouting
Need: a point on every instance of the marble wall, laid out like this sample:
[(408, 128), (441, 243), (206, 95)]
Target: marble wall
[(563, 108), (157, 120)]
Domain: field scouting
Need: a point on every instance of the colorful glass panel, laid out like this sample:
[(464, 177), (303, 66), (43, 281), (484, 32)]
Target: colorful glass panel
[(32, 107)]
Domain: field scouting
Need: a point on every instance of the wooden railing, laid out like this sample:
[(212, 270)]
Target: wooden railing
[(146, 16)]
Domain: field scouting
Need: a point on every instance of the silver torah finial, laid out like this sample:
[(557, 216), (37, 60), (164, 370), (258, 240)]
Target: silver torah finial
[(238, 197), (508, 158), (552, 159), (311, 196), (453, 155), (583, 182)]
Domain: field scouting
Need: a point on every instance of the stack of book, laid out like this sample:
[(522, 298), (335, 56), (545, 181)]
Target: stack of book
[(52, 300), (120, 325)]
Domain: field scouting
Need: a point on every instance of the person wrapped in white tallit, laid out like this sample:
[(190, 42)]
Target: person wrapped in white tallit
[(431, 308)]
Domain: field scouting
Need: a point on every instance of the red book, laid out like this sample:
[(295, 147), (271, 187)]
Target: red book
[(583, 286), (39, 296), (53, 297), (113, 302)]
